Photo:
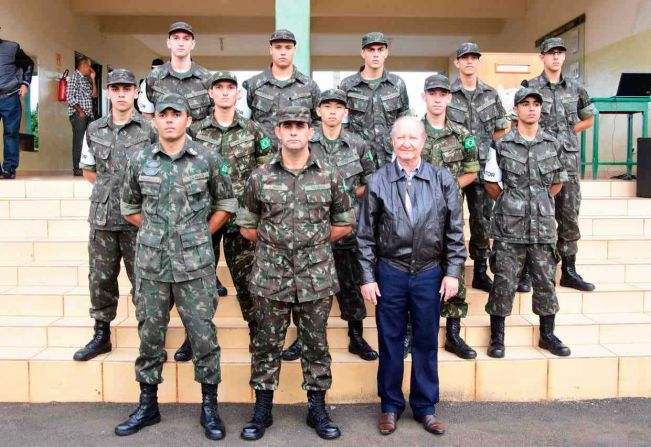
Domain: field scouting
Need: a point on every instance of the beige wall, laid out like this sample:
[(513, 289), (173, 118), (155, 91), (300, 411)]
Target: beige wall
[(45, 28)]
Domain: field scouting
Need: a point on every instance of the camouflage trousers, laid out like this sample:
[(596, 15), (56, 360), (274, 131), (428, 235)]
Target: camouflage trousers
[(273, 320), (196, 303), (480, 207), (568, 202), (238, 252), (105, 250), (349, 297), (507, 260)]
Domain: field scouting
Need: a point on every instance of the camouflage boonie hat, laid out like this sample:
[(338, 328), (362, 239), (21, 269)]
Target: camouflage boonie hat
[(121, 76), (294, 114), (334, 94), (524, 92), (437, 80), (223, 76), (282, 34), (468, 48), (374, 38), (180, 26), (551, 43), (171, 101)]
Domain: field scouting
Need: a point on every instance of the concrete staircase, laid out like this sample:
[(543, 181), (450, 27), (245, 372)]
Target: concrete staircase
[(44, 304)]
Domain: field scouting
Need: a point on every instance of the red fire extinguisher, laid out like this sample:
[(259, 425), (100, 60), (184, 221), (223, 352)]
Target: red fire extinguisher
[(63, 87)]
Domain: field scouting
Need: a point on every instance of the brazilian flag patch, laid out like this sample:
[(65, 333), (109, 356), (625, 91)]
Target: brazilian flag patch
[(224, 169), (265, 143), (469, 143), (370, 155)]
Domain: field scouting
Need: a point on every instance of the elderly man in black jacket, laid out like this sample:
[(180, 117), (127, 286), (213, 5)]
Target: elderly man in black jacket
[(411, 251)]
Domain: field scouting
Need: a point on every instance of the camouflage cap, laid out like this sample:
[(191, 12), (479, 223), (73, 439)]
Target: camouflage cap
[(295, 114), (171, 101), (468, 48), (223, 76), (282, 34), (551, 43), (121, 76), (437, 80), (374, 38), (180, 26), (334, 94), (524, 92)]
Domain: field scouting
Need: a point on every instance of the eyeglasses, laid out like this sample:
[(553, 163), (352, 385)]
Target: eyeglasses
[(555, 53)]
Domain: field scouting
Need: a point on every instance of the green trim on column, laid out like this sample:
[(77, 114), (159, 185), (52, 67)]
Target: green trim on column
[(294, 15)]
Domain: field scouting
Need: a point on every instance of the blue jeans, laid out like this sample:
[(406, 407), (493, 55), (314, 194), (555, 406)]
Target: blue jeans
[(11, 111), (418, 294)]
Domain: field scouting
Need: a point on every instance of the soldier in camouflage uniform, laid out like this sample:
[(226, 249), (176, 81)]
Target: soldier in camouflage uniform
[(295, 206), (108, 143), (244, 146), (566, 110), (279, 86), (528, 162), (450, 145), (376, 98), (353, 158), (477, 106), (178, 193)]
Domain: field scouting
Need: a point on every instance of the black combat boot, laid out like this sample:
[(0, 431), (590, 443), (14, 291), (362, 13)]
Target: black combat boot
[(221, 290), (100, 343), (480, 280), (184, 353), (453, 341), (293, 352), (409, 339), (318, 417), (524, 284), (262, 418), (146, 414), (210, 420), (548, 340), (253, 329), (358, 345), (496, 348), (570, 278)]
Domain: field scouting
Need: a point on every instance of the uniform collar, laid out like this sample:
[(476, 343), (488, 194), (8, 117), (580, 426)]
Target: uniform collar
[(445, 131), (385, 77), (188, 148), (481, 86), (517, 138), (396, 172), (135, 118), (195, 69), (312, 160), (237, 121), (296, 76), (546, 81)]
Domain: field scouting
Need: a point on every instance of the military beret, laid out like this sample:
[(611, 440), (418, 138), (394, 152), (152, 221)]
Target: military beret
[(282, 34), (551, 43), (223, 76), (171, 101), (334, 94), (468, 48), (374, 38), (180, 26), (524, 92), (121, 76), (294, 114), (437, 80)]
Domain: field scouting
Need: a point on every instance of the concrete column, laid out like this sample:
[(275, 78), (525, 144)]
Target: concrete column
[(294, 15)]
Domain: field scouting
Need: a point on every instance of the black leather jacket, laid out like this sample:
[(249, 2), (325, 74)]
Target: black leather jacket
[(386, 232)]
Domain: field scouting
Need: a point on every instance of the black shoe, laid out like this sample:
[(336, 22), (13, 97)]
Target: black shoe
[(184, 353), (358, 345), (146, 414), (318, 417), (77, 172), (262, 418), (548, 340), (293, 352), (496, 348), (221, 290), (409, 339), (524, 284), (480, 280), (253, 329), (453, 341), (211, 422), (100, 343), (570, 278), (6, 175)]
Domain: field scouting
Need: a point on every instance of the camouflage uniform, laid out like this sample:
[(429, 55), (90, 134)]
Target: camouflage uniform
[(107, 147), (453, 148), (523, 227), (244, 146), (174, 257), (293, 271)]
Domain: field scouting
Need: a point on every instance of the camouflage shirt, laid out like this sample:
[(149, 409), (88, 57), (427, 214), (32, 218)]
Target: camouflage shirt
[(266, 95), (373, 107), (482, 114), (176, 195), (453, 148), (293, 213), (106, 151), (524, 212), (193, 86), (564, 105), (243, 145)]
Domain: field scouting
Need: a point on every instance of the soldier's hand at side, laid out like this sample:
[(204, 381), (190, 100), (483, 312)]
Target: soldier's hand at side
[(370, 292), (449, 287)]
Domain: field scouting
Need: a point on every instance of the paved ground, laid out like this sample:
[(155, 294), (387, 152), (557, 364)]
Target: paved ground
[(625, 422)]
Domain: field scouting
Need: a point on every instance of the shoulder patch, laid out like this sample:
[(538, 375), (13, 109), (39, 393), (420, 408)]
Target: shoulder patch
[(469, 143), (224, 168)]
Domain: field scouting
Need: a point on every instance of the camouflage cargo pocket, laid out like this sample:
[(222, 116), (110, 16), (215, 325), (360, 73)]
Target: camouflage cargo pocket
[(318, 201), (149, 252), (196, 188), (321, 265), (99, 204), (548, 165), (456, 112), (303, 99), (197, 248), (570, 104)]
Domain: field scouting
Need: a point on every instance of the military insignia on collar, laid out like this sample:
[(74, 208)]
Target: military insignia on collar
[(151, 167), (469, 143), (224, 169)]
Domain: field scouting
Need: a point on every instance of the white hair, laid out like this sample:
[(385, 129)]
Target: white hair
[(412, 119)]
